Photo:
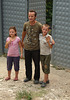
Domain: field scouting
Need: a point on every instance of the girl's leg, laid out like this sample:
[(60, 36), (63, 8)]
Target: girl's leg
[(9, 75), (9, 67), (16, 67), (16, 76)]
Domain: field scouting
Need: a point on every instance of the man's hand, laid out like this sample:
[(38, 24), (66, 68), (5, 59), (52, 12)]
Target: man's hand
[(23, 44)]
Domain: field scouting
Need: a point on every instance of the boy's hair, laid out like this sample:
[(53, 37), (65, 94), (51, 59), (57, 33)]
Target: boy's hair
[(14, 28), (34, 12), (46, 25)]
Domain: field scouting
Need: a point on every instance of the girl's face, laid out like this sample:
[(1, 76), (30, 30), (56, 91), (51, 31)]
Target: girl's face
[(45, 30), (12, 32)]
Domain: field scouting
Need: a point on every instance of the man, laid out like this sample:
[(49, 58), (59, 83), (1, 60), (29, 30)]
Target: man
[(31, 30)]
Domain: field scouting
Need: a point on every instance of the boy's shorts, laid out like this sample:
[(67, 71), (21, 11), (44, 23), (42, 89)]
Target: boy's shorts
[(11, 61), (45, 61)]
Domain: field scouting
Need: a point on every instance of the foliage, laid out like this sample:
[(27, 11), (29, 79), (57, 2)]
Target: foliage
[(49, 6)]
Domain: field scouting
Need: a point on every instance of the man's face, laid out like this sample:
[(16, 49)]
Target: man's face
[(31, 16)]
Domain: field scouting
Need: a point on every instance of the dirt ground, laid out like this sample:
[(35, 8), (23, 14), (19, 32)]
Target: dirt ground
[(58, 89)]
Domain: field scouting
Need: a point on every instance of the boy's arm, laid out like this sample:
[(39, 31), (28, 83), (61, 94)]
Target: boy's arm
[(50, 45), (21, 49), (48, 41), (53, 42)]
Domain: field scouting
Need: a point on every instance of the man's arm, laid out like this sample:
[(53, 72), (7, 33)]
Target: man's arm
[(23, 36), (21, 49)]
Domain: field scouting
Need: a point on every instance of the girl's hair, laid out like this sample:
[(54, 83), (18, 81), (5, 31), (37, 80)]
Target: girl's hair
[(46, 25), (34, 12), (14, 28)]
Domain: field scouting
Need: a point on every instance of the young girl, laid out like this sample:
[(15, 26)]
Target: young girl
[(12, 43), (46, 43)]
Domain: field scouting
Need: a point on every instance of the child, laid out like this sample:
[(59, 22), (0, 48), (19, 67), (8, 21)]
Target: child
[(46, 43), (12, 43)]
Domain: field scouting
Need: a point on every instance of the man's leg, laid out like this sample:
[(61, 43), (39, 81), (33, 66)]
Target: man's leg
[(28, 64), (36, 59)]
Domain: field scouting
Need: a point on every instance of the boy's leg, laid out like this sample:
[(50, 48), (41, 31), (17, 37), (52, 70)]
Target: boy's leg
[(47, 67), (45, 77), (46, 70), (46, 74)]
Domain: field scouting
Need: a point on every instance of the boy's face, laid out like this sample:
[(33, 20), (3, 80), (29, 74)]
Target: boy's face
[(45, 30)]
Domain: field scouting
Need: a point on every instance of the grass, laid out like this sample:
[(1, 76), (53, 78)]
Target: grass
[(24, 95), (39, 93), (58, 68)]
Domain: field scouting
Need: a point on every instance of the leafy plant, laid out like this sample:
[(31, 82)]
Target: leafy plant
[(24, 94), (49, 6)]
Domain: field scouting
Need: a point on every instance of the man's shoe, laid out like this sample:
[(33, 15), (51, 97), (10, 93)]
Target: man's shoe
[(36, 81), (26, 80), (43, 85)]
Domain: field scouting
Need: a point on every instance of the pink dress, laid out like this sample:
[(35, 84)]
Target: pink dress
[(13, 48)]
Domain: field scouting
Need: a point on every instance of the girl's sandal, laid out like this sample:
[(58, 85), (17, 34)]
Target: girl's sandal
[(15, 79), (7, 78)]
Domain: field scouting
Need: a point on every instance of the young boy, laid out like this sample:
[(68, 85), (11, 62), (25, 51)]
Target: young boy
[(46, 43)]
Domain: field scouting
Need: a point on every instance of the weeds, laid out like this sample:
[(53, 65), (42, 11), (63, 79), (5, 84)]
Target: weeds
[(24, 95)]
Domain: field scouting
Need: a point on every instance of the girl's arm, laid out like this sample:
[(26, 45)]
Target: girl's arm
[(21, 49), (7, 43)]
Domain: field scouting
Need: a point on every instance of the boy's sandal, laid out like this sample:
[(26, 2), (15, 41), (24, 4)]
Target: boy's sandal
[(47, 82), (15, 79), (43, 85), (7, 78)]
